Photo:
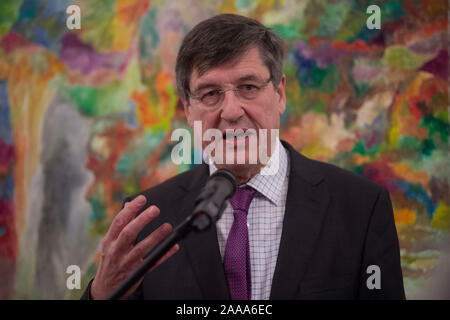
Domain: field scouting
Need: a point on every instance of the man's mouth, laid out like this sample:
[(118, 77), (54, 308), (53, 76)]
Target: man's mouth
[(231, 134), (236, 136)]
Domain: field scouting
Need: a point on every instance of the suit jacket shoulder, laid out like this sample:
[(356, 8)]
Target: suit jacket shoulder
[(338, 180), (174, 187), (346, 225)]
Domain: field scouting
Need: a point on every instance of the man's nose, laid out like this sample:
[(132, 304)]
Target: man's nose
[(231, 107)]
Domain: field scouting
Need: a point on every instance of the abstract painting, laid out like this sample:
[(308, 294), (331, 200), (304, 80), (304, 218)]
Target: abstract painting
[(86, 117)]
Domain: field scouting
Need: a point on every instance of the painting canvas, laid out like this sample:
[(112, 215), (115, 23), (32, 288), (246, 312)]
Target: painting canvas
[(86, 117)]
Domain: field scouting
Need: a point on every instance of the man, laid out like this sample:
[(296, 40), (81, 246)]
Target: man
[(309, 230)]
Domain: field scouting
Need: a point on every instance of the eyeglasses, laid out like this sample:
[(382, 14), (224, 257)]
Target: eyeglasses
[(245, 92)]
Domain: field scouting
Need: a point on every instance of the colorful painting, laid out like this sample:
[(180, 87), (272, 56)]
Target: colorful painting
[(86, 117)]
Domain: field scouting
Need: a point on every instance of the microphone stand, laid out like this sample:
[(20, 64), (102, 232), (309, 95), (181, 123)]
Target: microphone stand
[(208, 207)]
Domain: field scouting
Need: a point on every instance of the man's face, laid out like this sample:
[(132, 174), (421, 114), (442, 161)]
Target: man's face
[(262, 112)]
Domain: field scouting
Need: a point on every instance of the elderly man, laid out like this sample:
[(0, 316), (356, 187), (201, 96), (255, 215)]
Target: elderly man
[(308, 230)]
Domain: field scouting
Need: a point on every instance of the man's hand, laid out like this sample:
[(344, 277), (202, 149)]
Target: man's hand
[(119, 258)]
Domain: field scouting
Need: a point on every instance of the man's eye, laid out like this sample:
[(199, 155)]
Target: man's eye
[(211, 93), (248, 87)]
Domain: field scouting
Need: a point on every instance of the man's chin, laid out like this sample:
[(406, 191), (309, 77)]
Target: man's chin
[(243, 172), (235, 166)]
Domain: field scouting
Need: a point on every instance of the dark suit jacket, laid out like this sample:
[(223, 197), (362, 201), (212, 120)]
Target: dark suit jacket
[(336, 224)]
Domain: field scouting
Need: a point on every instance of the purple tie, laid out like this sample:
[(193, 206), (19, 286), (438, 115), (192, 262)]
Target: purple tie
[(237, 251)]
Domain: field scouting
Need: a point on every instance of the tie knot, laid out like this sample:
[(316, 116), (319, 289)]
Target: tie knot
[(242, 198)]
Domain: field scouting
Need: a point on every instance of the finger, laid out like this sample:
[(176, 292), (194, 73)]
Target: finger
[(148, 243), (128, 234), (124, 217)]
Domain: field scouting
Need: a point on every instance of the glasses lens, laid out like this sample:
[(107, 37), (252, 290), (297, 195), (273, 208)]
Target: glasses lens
[(210, 98), (245, 91), (248, 91)]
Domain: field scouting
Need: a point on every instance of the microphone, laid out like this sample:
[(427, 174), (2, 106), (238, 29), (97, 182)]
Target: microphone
[(211, 201), (208, 208)]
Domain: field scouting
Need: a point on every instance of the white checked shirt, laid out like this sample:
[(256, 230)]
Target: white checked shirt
[(264, 220)]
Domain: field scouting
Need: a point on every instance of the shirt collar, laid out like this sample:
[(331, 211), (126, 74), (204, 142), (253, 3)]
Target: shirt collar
[(270, 180)]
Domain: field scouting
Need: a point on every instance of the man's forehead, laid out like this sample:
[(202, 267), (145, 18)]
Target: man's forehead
[(248, 66), (238, 77)]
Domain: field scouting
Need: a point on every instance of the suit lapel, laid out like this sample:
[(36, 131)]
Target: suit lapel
[(202, 249), (306, 204)]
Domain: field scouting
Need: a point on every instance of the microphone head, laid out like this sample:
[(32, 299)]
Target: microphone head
[(228, 175), (211, 201)]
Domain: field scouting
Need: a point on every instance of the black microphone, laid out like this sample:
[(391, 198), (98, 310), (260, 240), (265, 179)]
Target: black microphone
[(211, 201)]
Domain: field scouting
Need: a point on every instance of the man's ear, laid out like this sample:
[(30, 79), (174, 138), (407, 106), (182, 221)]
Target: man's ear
[(187, 112), (281, 91)]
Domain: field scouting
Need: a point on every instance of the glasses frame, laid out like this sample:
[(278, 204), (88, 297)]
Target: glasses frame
[(222, 94)]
